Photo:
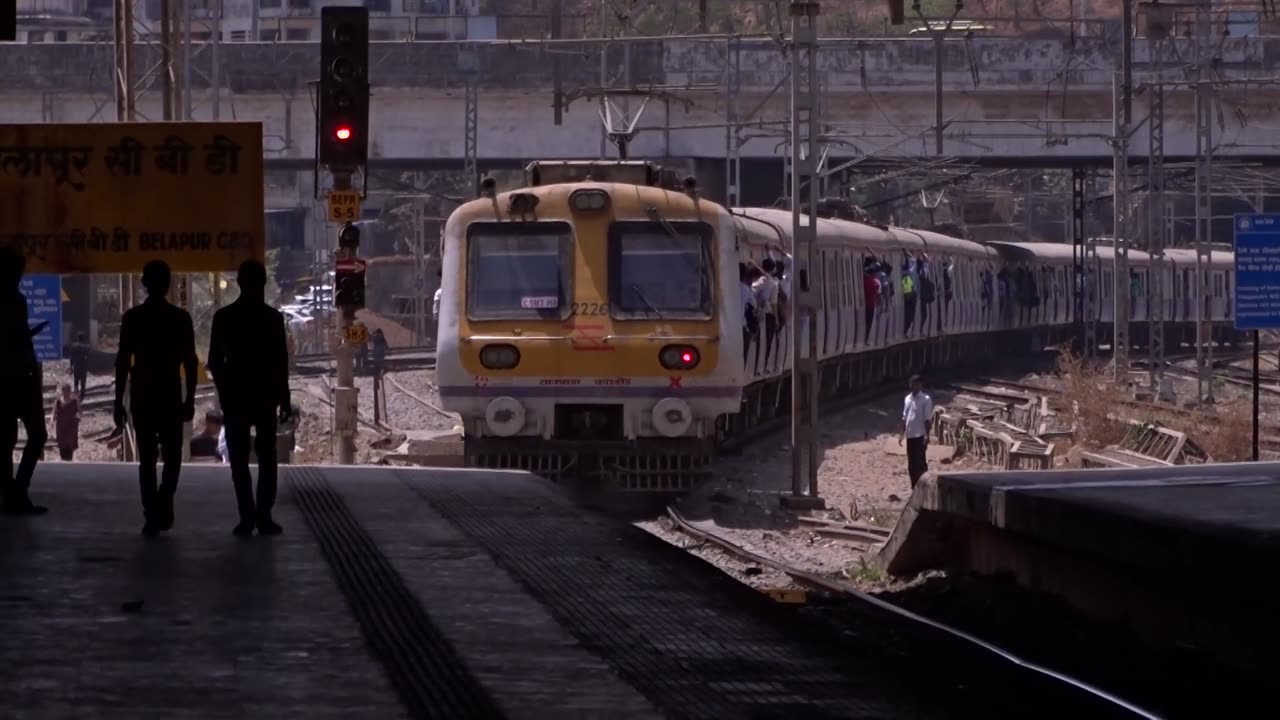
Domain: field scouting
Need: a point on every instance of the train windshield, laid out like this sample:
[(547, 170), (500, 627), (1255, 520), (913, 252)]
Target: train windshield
[(660, 269), (518, 270)]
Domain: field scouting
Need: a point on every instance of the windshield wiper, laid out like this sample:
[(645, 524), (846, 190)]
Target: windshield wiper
[(640, 294), (704, 252)]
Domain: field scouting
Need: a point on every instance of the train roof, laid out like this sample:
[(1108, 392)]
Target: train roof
[(1058, 251), (872, 238)]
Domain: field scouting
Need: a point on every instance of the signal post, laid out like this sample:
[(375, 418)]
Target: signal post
[(342, 147)]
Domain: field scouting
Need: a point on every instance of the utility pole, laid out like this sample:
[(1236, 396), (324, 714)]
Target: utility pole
[(806, 279), (1123, 114), (468, 63), (1203, 197), (1155, 219), (939, 37), (732, 130)]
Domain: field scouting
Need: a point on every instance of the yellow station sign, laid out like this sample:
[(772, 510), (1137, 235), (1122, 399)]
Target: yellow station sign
[(344, 206), (109, 197)]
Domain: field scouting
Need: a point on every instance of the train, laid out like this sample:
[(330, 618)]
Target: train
[(594, 322)]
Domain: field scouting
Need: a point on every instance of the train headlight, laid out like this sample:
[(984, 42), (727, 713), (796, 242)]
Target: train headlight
[(589, 200), (672, 417), (679, 357), (504, 416), (500, 357)]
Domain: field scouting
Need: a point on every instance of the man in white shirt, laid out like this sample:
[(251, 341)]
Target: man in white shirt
[(917, 420), (766, 290), (435, 301)]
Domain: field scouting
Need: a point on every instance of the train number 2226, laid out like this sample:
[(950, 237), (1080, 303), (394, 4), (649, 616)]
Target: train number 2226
[(589, 309)]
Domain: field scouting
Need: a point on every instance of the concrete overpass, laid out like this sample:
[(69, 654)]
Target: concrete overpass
[(1033, 101)]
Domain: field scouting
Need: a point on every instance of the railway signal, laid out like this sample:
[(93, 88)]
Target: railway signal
[(344, 87)]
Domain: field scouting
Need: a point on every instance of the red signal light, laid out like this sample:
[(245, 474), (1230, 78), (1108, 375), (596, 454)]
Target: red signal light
[(686, 358), (343, 133)]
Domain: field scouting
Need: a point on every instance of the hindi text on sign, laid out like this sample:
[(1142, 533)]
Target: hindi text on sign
[(108, 197)]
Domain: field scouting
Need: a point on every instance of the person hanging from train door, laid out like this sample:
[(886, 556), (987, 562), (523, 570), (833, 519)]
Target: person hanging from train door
[(870, 295), (928, 292), (249, 361), (944, 317), (750, 323), (987, 294), (1004, 294), (908, 293), (782, 349), (157, 340), (21, 392), (766, 289)]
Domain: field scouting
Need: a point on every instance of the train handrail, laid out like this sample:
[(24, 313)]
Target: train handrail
[(605, 339), (513, 338), (666, 338)]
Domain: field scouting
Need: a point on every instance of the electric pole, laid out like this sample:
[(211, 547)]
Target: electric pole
[(1123, 114), (806, 279)]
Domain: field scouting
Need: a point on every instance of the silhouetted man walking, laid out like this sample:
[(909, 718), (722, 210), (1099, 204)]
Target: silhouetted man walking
[(21, 393), (156, 339), (249, 360), (78, 353)]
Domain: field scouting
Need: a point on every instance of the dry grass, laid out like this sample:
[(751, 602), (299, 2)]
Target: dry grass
[(1089, 394), (1090, 399)]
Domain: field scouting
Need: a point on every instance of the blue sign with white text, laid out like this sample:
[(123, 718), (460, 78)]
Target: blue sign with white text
[(44, 303)]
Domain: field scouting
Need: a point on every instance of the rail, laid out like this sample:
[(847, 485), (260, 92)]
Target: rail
[(850, 592)]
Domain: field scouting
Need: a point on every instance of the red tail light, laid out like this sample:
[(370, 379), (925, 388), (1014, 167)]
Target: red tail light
[(679, 357)]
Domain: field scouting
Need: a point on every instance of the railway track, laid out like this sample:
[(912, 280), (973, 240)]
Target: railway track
[(1269, 440), (848, 592)]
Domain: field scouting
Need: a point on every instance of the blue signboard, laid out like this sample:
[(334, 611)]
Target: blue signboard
[(1257, 246), (44, 302)]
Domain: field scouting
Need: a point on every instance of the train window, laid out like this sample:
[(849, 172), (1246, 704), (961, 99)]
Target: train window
[(660, 269), (518, 270)]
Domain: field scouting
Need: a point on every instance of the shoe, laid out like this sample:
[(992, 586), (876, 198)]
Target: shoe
[(151, 529), (165, 521), (267, 526), (21, 505), (244, 529)]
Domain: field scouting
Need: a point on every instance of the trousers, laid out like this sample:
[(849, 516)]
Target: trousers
[(262, 424), (159, 437), (917, 459), (27, 408)]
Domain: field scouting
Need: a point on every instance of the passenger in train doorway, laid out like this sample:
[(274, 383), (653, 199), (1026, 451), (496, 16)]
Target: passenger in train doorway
[(766, 290), (249, 361), (750, 322), (917, 421), (157, 342), (21, 394)]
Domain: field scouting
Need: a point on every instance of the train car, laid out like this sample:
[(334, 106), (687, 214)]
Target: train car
[(588, 324), (593, 326)]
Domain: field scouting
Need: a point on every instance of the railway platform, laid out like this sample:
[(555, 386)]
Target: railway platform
[(1183, 554), (407, 593)]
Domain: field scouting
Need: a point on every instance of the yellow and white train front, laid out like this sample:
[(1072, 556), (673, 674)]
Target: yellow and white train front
[(591, 328)]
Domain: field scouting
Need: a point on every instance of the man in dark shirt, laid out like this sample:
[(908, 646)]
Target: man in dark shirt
[(78, 354), (249, 360), (21, 391), (156, 341)]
